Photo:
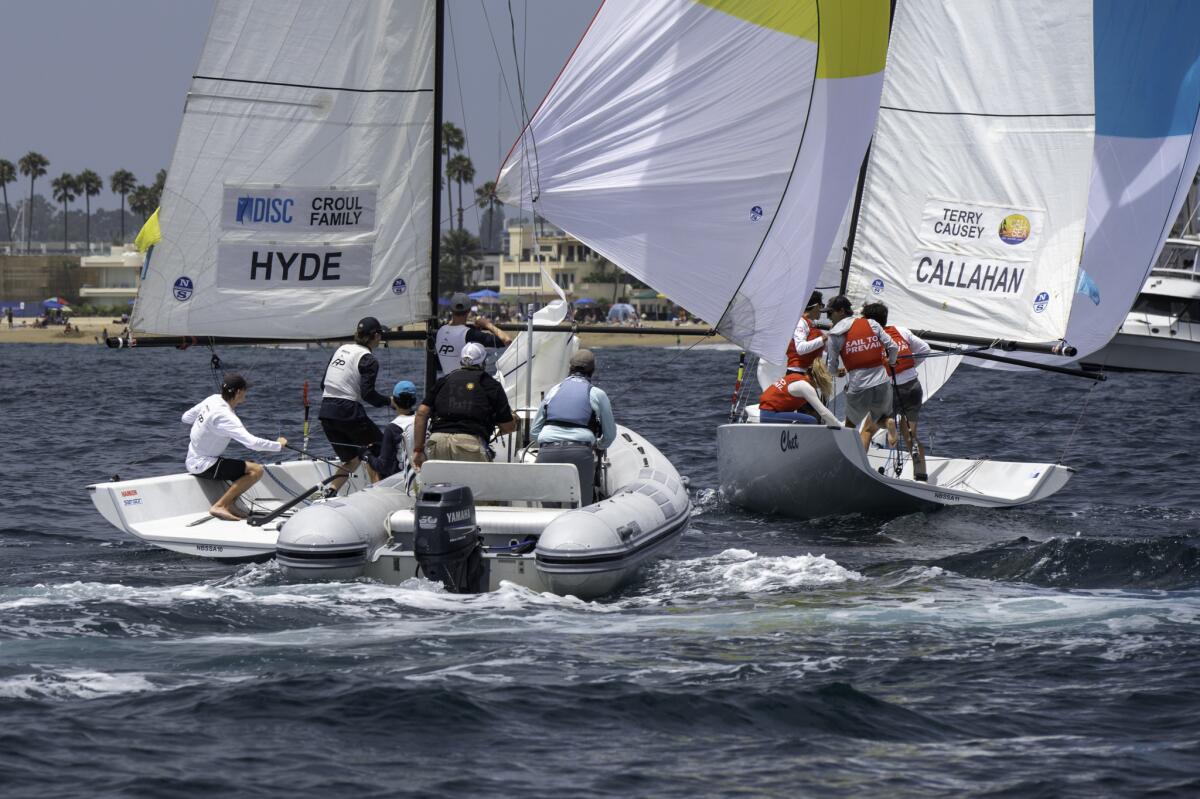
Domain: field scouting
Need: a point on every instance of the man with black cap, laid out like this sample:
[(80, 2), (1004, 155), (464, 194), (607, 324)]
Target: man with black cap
[(214, 423), (452, 337), (349, 382), (461, 411), (574, 419)]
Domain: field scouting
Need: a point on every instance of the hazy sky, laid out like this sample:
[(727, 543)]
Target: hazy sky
[(100, 84)]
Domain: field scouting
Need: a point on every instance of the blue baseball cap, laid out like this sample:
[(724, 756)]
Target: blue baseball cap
[(404, 387)]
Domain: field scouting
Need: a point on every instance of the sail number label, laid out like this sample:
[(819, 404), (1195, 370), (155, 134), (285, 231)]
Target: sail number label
[(283, 265), (300, 209)]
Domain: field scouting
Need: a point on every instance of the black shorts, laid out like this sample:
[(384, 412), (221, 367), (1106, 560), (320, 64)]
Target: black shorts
[(348, 436), (225, 469)]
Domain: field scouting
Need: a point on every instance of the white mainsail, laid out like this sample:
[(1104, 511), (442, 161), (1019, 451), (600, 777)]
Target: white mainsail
[(709, 148), (299, 195), (976, 194)]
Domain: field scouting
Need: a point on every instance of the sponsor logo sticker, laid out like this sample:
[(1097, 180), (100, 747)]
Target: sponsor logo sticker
[(183, 288), (399, 286), (756, 213), (877, 286), (1041, 301), (298, 208), (1014, 229)]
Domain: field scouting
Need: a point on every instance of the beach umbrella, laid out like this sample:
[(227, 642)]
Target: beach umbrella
[(443, 301), (484, 294), (585, 301), (55, 302)]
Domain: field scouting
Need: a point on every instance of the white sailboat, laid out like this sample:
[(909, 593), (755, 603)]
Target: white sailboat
[(302, 195), (1161, 333), (718, 175)]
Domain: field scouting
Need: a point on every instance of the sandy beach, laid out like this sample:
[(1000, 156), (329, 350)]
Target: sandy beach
[(91, 329)]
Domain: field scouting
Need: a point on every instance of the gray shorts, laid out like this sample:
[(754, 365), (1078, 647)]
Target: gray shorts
[(875, 402), (907, 399)]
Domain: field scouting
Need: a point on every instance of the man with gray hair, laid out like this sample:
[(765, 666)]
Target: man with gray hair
[(574, 419), (461, 411)]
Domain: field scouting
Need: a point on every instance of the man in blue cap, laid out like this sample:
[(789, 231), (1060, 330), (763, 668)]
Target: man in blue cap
[(395, 452)]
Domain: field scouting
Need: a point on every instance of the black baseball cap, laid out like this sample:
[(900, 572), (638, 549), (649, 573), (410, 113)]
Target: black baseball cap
[(460, 303), (369, 326)]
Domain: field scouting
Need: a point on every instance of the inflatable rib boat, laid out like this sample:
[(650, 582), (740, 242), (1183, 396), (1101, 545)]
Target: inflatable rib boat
[(472, 525)]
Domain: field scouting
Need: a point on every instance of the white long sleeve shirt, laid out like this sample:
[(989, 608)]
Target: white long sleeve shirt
[(214, 425), (861, 379)]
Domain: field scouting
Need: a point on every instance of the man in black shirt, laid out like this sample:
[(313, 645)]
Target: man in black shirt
[(466, 406)]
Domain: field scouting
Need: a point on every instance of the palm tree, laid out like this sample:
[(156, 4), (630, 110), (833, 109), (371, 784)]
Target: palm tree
[(64, 192), (460, 170), (141, 202), (487, 199), (90, 184), (122, 182), (459, 249), (34, 165), (452, 139), (156, 190), (8, 174)]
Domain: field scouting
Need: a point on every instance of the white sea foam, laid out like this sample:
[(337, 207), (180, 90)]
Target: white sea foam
[(73, 684), (739, 571)]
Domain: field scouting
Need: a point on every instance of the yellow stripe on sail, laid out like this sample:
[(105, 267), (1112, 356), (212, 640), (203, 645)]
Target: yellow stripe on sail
[(853, 33)]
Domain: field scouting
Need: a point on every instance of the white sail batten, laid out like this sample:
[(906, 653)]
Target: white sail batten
[(709, 148), (299, 195), (976, 194)]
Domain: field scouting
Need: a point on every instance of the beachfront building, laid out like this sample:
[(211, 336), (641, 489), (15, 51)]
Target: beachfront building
[(110, 279), (567, 261)]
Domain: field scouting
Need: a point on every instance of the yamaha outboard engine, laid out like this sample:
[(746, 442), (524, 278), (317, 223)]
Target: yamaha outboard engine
[(446, 540)]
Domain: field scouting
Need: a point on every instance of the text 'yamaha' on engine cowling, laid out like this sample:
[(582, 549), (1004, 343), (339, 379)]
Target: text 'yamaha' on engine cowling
[(446, 541), (332, 540)]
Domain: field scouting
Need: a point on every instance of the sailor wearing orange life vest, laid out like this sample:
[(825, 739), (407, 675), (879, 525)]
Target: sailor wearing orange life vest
[(907, 393), (862, 346), (793, 397)]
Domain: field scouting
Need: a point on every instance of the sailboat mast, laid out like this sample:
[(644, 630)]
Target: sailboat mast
[(858, 194), (435, 242)]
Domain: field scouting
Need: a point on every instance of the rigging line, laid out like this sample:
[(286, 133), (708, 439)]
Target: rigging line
[(500, 63), (312, 86), (791, 173), (532, 168), (461, 107), (1078, 421)]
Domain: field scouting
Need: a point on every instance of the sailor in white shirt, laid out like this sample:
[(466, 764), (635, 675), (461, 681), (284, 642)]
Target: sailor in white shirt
[(456, 334), (214, 424)]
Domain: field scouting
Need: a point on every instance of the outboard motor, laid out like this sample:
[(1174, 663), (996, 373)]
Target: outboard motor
[(446, 540)]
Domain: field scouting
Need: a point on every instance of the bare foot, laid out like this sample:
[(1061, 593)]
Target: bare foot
[(223, 513), (239, 512)]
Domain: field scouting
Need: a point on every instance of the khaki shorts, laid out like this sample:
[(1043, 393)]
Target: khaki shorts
[(455, 447), (874, 402)]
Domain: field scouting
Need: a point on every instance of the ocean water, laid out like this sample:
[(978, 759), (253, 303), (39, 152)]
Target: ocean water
[(1046, 651)]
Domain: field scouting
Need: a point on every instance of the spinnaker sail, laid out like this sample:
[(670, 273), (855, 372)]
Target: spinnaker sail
[(709, 147)]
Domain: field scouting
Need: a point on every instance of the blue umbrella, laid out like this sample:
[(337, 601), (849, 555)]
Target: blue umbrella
[(585, 301), (484, 294), (55, 302)]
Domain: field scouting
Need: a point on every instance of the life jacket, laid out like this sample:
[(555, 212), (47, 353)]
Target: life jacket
[(796, 361), (342, 379), (462, 404), (862, 349), (906, 360), (571, 405), (449, 346), (777, 398)]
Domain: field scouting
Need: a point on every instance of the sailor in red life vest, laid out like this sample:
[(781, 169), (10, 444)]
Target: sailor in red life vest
[(864, 349), (796, 397), (907, 393)]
